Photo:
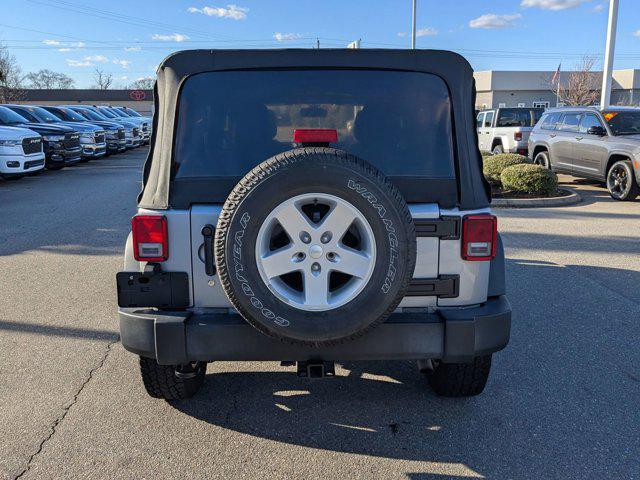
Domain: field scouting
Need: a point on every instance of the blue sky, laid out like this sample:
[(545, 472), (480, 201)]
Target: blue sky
[(129, 38)]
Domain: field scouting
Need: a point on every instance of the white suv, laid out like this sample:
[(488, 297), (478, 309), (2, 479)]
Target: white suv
[(506, 130), (20, 152)]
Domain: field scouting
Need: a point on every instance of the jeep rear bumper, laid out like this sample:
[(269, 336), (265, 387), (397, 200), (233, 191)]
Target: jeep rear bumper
[(453, 335)]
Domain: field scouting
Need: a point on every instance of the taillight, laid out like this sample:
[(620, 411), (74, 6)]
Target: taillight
[(517, 136), (315, 135), (150, 239), (479, 237)]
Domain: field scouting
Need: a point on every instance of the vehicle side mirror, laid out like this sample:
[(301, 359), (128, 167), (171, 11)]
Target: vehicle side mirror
[(596, 130)]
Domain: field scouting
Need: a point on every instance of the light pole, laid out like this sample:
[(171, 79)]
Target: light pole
[(605, 98), (413, 25)]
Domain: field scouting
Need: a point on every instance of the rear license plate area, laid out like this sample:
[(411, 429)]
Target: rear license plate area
[(157, 289)]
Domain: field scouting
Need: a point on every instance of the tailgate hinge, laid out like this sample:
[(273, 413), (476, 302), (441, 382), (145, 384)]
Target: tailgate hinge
[(446, 228), (445, 286)]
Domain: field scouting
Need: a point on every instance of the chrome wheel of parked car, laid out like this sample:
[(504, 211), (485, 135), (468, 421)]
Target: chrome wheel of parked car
[(620, 181), (315, 252), (542, 159)]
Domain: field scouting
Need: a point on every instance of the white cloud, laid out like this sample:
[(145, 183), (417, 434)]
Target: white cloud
[(286, 37), (636, 33), (402, 34), (123, 77), (232, 11), (51, 42), (123, 63), (175, 37), (426, 32), (96, 58), (491, 21), (79, 63), (132, 49), (77, 44), (66, 49), (598, 8), (552, 4)]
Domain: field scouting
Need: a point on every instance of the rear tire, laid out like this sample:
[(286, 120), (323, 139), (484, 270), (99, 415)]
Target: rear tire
[(542, 159), (498, 149), (621, 181), (168, 382), (460, 379)]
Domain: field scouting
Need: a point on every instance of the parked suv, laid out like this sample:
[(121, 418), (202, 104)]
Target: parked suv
[(61, 143), (131, 130), (290, 212), (20, 152), (506, 129), (588, 142), (92, 138), (142, 123)]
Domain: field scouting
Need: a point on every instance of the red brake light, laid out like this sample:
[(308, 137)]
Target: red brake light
[(517, 136), (150, 239), (315, 135), (479, 237)]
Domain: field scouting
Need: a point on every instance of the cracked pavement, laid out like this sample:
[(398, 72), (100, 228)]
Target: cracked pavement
[(562, 400)]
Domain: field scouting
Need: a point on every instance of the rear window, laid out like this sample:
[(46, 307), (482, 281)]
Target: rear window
[(518, 117), (228, 122)]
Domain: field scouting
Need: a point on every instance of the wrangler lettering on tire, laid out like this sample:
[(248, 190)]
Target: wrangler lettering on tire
[(315, 246)]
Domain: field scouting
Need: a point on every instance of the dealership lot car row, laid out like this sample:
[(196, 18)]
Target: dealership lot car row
[(36, 137)]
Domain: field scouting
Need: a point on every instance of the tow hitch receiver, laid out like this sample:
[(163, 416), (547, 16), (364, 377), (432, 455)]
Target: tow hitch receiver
[(316, 369)]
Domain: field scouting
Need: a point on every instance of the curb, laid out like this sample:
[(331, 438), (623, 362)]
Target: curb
[(571, 199)]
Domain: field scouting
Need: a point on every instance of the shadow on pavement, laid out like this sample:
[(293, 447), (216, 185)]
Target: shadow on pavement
[(58, 331)]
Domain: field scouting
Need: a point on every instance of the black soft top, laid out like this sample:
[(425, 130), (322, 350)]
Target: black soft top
[(473, 191)]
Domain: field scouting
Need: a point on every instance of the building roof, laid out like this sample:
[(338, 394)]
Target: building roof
[(85, 95)]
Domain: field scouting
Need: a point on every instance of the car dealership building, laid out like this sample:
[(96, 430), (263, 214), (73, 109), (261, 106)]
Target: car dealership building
[(498, 88)]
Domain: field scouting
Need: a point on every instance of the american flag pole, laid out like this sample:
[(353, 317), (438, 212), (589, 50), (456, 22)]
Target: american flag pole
[(556, 80)]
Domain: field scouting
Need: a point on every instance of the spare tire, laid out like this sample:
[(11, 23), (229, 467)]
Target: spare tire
[(315, 246)]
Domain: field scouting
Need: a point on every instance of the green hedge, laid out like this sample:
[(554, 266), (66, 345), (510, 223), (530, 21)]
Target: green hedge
[(532, 179), (495, 164)]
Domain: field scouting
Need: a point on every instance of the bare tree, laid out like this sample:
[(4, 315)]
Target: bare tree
[(10, 77), (47, 79), (143, 84), (103, 80), (581, 87)]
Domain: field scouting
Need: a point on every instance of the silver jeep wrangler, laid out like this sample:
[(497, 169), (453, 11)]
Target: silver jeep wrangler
[(313, 206)]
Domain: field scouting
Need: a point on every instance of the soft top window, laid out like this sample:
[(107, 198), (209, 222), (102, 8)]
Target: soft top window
[(228, 122)]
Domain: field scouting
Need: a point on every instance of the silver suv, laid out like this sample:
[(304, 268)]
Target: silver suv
[(291, 212), (588, 142)]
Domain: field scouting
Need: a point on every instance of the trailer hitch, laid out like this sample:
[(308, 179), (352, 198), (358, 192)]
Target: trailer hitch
[(316, 369)]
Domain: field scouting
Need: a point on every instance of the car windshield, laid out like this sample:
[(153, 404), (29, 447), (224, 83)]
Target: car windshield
[(73, 115), (228, 122), (131, 112), (41, 114), (518, 117), (107, 113), (624, 123), (9, 117), (91, 115)]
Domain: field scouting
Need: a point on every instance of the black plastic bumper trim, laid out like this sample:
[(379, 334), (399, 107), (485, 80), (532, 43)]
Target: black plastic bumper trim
[(453, 334)]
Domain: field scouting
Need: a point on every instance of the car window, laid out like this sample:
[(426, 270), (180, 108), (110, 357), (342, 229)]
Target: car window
[(488, 121), (518, 117), (26, 114), (569, 122), (589, 120), (479, 119), (624, 122), (549, 121), (9, 117), (228, 122)]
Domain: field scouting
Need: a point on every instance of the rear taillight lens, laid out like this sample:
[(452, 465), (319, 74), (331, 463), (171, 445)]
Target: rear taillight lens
[(479, 237), (517, 136), (150, 239)]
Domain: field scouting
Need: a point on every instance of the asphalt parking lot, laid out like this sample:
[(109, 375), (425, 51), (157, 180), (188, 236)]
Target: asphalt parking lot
[(562, 401)]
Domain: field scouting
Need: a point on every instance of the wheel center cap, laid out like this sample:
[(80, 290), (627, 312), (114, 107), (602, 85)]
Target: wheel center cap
[(315, 251)]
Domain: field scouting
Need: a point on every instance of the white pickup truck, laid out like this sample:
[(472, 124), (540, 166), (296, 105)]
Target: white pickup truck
[(20, 152), (503, 130)]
